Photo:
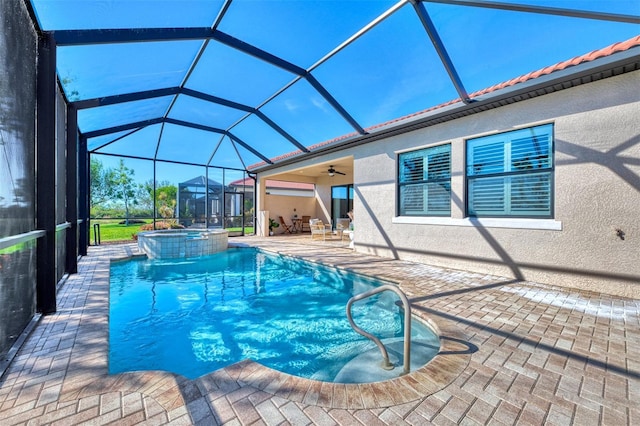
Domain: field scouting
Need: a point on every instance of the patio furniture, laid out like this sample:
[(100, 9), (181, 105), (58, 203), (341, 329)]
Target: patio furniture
[(287, 228), (320, 230), (349, 235), (305, 222), (342, 225), (297, 224)]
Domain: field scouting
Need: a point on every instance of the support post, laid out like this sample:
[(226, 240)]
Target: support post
[(46, 175), (83, 196), (206, 196), (72, 189), (155, 196)]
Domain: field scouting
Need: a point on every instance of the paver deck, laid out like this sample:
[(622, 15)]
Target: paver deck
[(513, 353)]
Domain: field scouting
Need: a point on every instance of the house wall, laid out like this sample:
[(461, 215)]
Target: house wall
[(323, 194), (597, 192), (283, 205), (318, 206)]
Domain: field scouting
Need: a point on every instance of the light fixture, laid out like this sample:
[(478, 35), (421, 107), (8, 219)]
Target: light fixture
[(331, 172)]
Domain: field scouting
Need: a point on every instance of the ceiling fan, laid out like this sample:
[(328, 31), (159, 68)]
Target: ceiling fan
[(333, 171)]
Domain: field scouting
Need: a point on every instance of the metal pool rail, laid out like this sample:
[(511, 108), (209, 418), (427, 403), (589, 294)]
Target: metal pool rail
[(407, 325)]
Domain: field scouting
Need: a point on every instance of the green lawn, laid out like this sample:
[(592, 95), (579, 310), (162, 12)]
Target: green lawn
[(248, 230), (15, 248), (111, 230)]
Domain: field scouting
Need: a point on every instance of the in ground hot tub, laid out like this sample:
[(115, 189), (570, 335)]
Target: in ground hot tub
[(177, 243)]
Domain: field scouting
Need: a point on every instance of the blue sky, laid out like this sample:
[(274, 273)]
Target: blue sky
[(391, 71)]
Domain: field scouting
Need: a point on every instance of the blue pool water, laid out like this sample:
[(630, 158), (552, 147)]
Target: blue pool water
[(194, 316)]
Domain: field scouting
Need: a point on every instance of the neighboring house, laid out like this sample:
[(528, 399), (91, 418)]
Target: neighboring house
[(193, 196), (542, 185)]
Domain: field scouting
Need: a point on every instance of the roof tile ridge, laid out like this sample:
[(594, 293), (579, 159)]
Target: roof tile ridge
[(330, 141), (620, 46)]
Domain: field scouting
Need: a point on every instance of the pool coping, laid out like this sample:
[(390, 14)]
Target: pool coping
[(172, 391)]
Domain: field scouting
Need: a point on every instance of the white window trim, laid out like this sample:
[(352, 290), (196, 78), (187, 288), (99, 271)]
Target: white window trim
[(486, 222)]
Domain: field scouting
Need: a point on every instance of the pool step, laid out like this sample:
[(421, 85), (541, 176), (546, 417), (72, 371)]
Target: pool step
[(367, 367)]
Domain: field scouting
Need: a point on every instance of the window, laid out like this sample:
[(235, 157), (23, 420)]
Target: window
[(511, 174), (424, 182)]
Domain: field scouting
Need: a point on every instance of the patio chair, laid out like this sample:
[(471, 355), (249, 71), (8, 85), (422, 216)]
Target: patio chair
[(342, 225), (305, 222), (319, 229), (287, 228)]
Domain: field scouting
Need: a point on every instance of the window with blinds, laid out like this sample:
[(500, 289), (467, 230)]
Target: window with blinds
[(511, 174), (424, 182)]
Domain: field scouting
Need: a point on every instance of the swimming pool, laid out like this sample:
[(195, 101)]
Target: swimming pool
[(194, 316)]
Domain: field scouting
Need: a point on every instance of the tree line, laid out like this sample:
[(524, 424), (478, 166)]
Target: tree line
[(115, 193)]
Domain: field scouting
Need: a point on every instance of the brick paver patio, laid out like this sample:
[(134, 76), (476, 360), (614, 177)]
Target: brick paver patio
[(513, 353)]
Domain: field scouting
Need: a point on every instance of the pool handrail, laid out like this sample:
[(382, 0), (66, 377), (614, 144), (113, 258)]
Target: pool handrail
[(387, 365)]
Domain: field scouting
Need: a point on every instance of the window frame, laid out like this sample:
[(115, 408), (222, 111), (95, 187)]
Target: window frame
[(400, 183), (550, 171)]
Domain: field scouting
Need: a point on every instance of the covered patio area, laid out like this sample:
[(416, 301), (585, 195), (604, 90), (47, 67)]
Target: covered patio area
[(513, 352)]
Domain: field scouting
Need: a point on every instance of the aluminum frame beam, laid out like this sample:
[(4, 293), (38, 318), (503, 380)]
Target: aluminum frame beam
[(153, 121), (428, 25), (121, 128), (159, 160), (126, 97), (134, 35), (148, 94), (185, 79), (130, 35), (109, 36), (219, 131), (574, 13)]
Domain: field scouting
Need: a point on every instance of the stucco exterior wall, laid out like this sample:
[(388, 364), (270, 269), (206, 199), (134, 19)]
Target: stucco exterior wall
[(596, 195), (283, 205), (319, 206)]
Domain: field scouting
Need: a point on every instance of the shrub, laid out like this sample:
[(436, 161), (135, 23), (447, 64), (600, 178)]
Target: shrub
[(161, 225)]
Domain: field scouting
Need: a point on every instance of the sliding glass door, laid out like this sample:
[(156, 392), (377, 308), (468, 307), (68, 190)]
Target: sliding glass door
[(341, 202)]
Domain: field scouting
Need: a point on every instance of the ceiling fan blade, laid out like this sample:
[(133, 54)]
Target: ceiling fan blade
[(331, 171)]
